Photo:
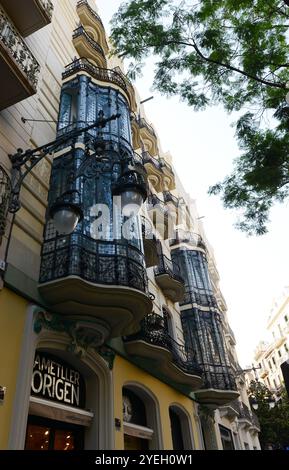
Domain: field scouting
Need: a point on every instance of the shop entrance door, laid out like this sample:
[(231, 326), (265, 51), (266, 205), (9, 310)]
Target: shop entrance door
[(46, 434)]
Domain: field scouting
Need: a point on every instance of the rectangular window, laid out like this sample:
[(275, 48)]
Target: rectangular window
[(246, 445), (286, 318), (279, 353), (227, 438), (273, 360), (286, 347)]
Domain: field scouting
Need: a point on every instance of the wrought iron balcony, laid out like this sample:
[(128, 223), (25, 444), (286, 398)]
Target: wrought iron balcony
[(148, 158), (255, 421), (144, 124), (169, 175), (219, 386), (89, 17), (245, 413), (154, 171), (29, 15), (103, 279), (153, 342), (169, 279), (111, 76), (87, 47), (164, 164), (183, 236), (93, 13), (18, 66), (170, 198), (149, 135)]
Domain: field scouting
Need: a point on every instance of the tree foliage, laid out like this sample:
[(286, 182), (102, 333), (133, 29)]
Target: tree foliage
[(274, 422), (233, 52)]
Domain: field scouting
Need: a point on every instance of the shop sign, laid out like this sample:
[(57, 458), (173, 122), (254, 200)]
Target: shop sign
[(54, 379)]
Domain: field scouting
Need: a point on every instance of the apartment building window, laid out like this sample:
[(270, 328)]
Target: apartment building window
[(227, 438), (270, 365), (286, 318), (286, 347), (279, 353), (273, 360)]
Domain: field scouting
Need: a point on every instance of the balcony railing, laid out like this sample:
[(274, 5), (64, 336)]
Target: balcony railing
[(169, 197), (166, 164), (19, 68), (154, 331), (91, 11), (149, 159), (245, 413), (144, 124), (255, 420), (167, 266), (102, 74), (99, 262), (18, 49), (192, 238), (80, 32), (218, 377)]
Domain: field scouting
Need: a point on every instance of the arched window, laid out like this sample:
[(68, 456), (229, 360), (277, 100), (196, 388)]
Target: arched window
[(180, 428), (140, 418)]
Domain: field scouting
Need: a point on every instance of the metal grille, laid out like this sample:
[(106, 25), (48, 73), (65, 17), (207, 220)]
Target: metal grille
[(5, 195), (80, 31), (167, 266), (100, 262), (154, 331), (203, 332)]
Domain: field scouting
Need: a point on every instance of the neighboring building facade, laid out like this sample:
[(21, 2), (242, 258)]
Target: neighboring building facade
[(115, 336), (270, 354)]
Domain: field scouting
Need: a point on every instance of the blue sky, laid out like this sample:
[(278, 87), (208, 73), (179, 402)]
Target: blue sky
[(253, 270)]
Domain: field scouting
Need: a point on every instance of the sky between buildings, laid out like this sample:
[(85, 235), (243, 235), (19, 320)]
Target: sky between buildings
[(253, 270)]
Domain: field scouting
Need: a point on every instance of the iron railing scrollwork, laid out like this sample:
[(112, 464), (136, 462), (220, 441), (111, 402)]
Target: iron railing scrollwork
[(97, 261), (148, 158), (17, 48), (144, 124), (167, 266), (80, 31), (154, 331), (166, 164), (218, 377), (192, 238), (245, 412), (169, 197), (5, 197), (102, 74), (91, 11)]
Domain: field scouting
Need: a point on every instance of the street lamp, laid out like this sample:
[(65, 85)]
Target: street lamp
[(66, 211), (65, 214)]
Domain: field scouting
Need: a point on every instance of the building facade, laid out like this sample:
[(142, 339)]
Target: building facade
[(272, 353), (113, 336)]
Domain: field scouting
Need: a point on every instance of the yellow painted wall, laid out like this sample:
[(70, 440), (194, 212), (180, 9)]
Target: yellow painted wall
[(123, 373), (12, 318)]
